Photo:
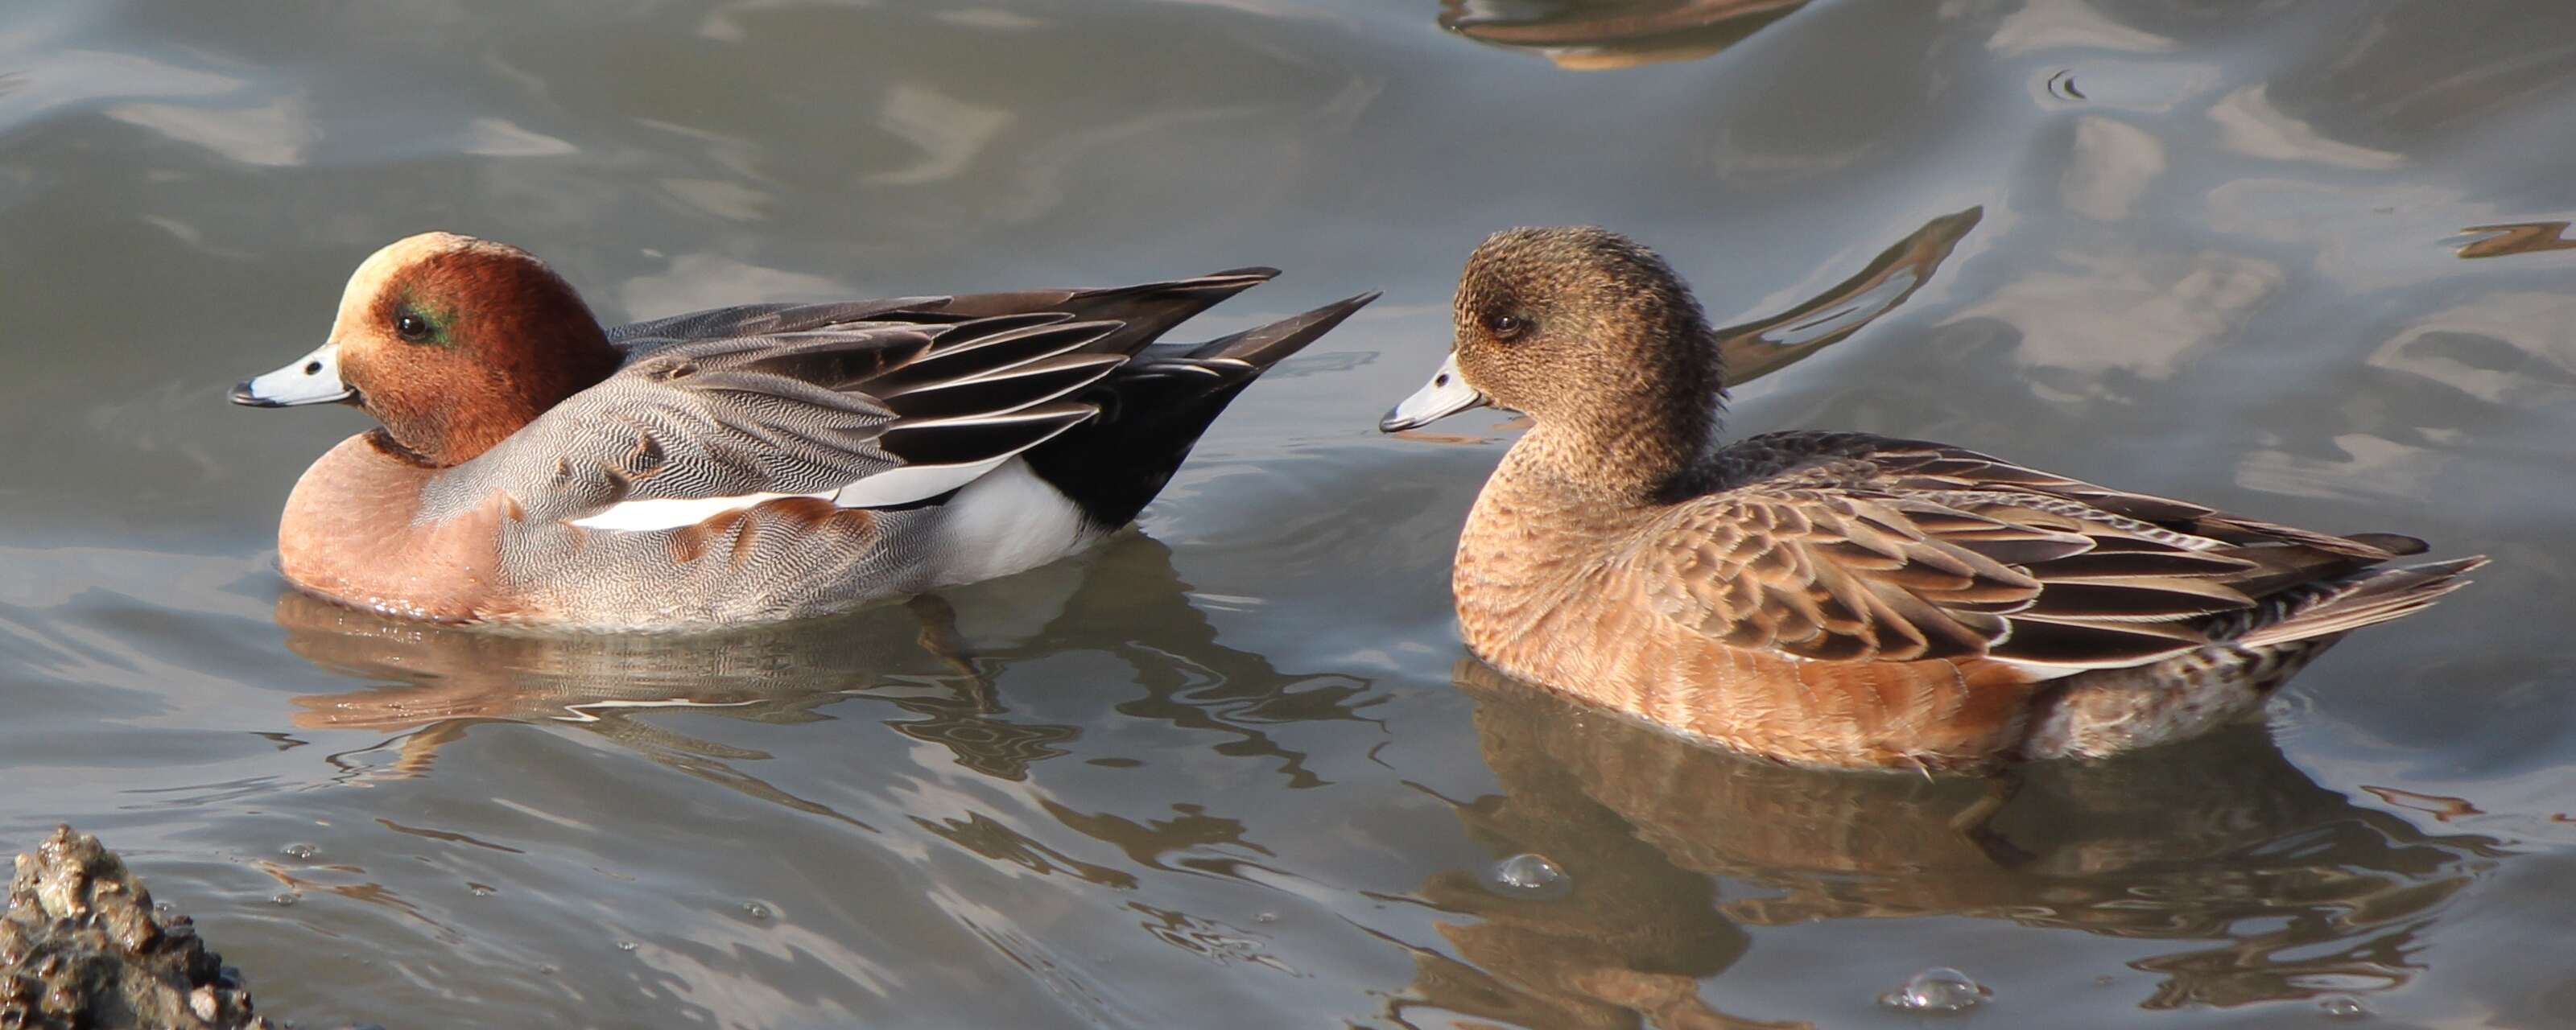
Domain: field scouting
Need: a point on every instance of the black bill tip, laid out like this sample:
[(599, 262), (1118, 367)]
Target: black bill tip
[(242, 395)]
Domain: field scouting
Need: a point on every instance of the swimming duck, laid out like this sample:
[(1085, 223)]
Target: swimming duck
[(1842, 599), (743, 464)]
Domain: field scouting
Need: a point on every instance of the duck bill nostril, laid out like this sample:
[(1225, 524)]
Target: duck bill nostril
[(312, 379), (1446, 394)]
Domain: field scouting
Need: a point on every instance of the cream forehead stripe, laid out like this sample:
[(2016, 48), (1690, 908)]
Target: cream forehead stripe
[(380, 268)]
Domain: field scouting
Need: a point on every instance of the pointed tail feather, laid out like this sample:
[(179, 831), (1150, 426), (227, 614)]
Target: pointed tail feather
[(1153, 410), (1265, 346), (2363, 600)]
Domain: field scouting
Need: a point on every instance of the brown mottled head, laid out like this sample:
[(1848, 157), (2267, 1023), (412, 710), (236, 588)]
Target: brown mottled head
[(1597, 340), (454, 343)]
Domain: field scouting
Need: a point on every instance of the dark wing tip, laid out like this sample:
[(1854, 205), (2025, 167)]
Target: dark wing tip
[(2084, 644), (1264, 346), (2393, 543)]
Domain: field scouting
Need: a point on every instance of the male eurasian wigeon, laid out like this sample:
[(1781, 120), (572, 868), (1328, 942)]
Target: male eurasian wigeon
[(1842, 599), (743, 464)]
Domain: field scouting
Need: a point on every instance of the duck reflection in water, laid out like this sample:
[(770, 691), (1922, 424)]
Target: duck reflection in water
[(2266, 886), (1590, 35)]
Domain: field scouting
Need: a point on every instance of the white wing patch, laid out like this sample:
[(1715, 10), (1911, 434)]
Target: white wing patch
[(895, 486), (671, 513), (1004, 518), (885, 489), (912, 483)]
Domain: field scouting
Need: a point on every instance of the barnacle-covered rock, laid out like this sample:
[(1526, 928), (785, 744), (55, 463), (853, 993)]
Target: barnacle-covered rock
[(82, 949)]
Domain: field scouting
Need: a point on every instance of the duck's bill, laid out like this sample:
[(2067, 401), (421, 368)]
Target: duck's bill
[(312, 379), (1446, 394)]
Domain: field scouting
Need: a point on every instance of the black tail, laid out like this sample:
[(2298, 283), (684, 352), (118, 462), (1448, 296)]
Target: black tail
[(1153, 410)]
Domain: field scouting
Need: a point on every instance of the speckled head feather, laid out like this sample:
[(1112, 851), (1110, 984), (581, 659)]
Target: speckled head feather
[(1594, 337), (455, 343)]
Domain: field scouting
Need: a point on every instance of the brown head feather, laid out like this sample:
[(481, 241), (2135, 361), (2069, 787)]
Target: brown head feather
[(1577, 327), (455, 343)]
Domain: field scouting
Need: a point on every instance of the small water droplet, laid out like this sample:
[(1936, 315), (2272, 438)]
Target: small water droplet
[(300, 851), (756, 910), (1938, 989), (1265, 917), (547, 969), (626, 945), (1529, 875), (284, 898), (2343, 1006)]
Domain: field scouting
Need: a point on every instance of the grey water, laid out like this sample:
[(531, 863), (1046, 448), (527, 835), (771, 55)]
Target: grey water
[(2303, 260)]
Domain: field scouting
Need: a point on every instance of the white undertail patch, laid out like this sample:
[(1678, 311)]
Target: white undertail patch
[(1008, 521)]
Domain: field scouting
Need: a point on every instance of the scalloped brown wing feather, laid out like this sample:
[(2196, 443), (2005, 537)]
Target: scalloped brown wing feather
[(1896, 551)]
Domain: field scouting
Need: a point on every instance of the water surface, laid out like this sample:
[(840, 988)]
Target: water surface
[(2306, 261)]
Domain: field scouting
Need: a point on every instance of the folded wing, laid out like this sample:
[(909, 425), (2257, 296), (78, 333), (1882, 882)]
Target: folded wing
[(865, 414), (1900, 551)]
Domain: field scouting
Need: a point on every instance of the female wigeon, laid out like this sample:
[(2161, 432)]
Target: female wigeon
[(1841, 599), (743, 464)]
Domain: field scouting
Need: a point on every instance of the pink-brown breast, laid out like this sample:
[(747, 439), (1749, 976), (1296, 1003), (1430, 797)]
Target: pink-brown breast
[(1541, 597), (348, 535)]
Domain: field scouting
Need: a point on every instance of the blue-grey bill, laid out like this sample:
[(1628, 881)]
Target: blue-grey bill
[(312, 379), (1446, 394)]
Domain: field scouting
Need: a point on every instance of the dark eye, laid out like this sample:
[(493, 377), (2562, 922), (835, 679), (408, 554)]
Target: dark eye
[(411, 327), (1505, 327)]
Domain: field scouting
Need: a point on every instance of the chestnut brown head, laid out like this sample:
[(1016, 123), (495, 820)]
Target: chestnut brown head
[(453, 343)]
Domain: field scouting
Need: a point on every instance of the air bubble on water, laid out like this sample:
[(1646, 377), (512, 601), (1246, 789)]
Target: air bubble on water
[(2343, 1006), (756, 910), (481, 890), (1265, 917), (626, 945), (1938, 989), (300, 851), (1528, 876), (2062, 86), (285, 898)]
